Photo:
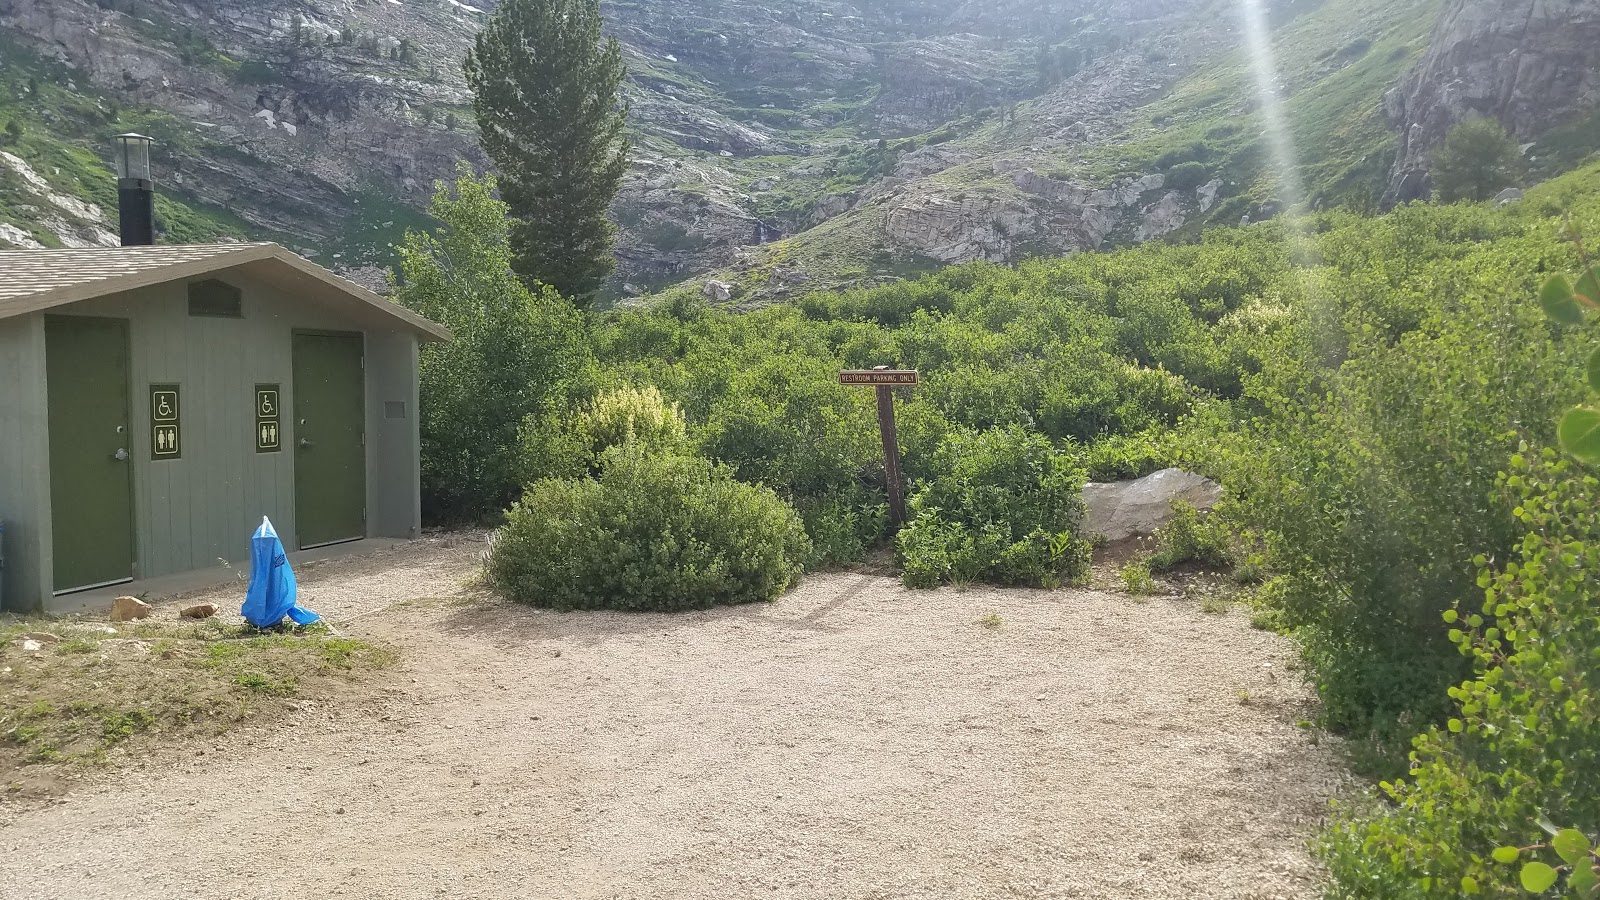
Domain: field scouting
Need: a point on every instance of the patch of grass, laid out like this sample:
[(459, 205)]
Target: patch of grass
[(262, 683), (1137, 578), (990, 619), (94, 690), (117, 726)]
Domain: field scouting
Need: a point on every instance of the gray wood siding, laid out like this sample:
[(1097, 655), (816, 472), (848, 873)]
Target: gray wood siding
[(24, 464), (393, 444), (199, 511)]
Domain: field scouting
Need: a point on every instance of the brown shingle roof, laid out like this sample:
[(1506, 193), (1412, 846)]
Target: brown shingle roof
[(34, 280)]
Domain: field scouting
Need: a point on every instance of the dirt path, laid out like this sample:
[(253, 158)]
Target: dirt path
[(853, 740)]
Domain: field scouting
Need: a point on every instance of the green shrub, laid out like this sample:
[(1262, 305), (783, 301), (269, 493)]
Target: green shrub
[(789, 424), (1187, 176), (1363, 458), (552, 446), (1121, 457), (1523, 745), (1190, 537), (844, 525), (654, 532), (1194, 152), (1004, 507)]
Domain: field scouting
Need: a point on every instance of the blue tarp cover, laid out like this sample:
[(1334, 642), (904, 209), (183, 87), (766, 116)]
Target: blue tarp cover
[(272, 586)]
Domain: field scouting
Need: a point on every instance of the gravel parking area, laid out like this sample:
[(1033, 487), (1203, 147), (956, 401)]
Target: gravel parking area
[(853, 740)]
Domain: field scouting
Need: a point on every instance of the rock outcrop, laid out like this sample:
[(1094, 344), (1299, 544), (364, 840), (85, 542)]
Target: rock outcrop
[(1530, 64), (325, 123), (942, 130)]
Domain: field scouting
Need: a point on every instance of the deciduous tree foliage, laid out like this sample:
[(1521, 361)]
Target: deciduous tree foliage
[(545, 89), (517, 353), (1494, 793), (1478, 159)]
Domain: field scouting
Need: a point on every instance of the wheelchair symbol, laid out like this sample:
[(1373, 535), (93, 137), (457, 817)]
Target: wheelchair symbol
[(165, 406)]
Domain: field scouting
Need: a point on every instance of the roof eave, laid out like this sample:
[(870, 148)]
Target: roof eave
[(243, 255), (427, 329)]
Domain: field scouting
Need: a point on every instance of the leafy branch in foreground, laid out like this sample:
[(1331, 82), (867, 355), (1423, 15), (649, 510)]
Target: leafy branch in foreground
[(1567, 303), (1523, 747), (1573, 847)]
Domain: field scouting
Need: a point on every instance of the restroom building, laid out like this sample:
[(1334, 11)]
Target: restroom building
[(157, 401)]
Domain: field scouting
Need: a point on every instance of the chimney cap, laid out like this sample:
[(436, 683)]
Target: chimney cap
[(133, 156)]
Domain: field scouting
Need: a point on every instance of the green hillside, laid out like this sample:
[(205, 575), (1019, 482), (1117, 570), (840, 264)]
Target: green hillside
[(63, 132)]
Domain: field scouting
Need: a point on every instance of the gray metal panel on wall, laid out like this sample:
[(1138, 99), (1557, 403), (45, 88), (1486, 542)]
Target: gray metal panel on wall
[(394, 501), (24, 464), (199, 510)]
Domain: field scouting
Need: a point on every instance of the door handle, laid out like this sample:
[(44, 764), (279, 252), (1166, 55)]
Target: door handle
[(121, 455), (305, 444)]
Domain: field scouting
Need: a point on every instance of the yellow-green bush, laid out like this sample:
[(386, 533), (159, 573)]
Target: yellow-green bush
[(632, 416)]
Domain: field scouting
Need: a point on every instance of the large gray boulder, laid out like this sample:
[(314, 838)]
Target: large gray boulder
[(1507, 197), (1125, 509)]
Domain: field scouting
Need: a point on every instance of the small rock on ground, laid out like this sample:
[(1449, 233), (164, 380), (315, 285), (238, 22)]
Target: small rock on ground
[(124, 609)]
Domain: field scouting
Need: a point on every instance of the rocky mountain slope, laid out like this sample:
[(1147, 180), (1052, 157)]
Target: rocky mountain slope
[(1533, 66), (779, 145)]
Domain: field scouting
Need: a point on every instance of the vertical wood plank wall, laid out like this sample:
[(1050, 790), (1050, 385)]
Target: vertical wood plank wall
[(393, 444), (24, 466)]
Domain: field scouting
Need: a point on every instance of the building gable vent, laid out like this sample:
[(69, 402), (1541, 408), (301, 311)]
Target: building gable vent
[(216, 299)]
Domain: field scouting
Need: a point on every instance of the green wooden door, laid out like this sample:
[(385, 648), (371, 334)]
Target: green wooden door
[(91, 468), (330, 416)]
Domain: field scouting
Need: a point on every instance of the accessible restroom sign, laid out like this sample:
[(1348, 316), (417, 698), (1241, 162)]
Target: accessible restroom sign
[(268, 416), (166, 424)]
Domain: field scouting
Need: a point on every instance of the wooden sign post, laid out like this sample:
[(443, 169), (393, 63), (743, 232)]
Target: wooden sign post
[(885, 379)]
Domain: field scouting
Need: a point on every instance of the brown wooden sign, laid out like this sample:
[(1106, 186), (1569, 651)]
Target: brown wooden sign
[(873, 377), (885, 380)]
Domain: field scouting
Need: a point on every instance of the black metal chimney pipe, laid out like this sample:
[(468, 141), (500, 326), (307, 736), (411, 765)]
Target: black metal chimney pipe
[(136, 211), (136, 191)]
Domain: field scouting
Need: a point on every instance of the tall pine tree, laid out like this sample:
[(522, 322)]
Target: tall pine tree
[(545, 86)]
